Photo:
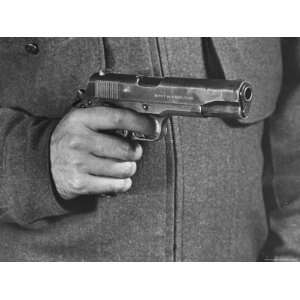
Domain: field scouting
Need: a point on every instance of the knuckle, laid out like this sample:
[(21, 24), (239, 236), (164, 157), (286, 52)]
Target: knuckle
[(77, 184), (74, 141), (79, 165)]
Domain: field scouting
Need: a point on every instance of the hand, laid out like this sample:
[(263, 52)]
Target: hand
[(86, 159)]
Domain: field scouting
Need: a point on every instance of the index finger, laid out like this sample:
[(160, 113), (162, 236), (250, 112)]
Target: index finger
[(111, 118)]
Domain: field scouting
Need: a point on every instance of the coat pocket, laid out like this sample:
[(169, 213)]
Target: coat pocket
[(257, 60)]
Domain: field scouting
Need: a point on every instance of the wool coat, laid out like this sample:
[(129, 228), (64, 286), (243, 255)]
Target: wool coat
[(211, 190)]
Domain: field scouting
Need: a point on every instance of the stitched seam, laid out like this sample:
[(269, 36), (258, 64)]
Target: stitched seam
[(176, 142)]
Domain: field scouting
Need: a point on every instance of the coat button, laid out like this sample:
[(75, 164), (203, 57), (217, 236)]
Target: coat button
[(32, 48)]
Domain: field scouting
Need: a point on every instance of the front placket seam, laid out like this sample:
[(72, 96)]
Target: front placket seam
[(175, 138)]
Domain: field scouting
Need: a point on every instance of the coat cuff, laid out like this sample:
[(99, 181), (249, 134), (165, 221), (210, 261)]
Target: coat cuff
[(29, 187)]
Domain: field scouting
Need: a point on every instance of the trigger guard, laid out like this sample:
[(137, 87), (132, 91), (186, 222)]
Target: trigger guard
[(160, 130)]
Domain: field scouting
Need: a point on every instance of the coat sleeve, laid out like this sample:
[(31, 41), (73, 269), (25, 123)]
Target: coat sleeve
[(26, 189), (284, 142)]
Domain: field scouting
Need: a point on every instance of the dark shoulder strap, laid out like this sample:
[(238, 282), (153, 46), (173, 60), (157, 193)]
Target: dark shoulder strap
[(211, 60)]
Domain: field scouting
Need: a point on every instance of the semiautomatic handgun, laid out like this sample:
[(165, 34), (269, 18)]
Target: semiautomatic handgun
[(164, 97)]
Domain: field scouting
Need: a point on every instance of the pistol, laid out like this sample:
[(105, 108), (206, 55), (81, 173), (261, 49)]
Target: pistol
[(164, 97)]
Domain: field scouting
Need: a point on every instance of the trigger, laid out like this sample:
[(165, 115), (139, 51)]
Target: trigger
[(123, 133)]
